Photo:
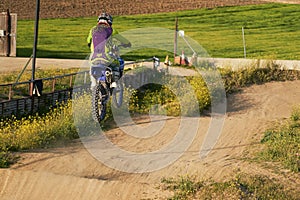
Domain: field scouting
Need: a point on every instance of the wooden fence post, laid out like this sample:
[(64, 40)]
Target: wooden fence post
[(8, 29)]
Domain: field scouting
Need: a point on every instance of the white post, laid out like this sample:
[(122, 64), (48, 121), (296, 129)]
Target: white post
[(176, 37), (244, 42)]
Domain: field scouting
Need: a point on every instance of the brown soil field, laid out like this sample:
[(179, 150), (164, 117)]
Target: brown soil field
[(25, 9)]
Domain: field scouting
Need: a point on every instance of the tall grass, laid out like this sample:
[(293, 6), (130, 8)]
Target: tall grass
[(282, 143), (271, 31), (243, 186), (8, 77)]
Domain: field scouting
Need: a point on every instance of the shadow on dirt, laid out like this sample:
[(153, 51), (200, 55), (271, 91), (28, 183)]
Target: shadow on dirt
[(236, 103)]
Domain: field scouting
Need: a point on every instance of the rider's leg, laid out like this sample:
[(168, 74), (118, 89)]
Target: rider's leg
[(93, 80), (95, 72), (115, 65), (122, 64)]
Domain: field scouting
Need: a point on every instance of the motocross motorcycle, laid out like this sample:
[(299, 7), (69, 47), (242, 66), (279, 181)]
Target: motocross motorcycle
[(106, 87)]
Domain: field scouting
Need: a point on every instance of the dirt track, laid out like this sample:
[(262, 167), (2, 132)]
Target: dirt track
[(70, 172)]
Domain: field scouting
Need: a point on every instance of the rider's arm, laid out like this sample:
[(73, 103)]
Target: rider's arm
[(120, 38), (89, 39)]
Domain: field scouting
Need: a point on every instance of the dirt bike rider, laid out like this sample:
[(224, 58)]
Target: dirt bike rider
[(100, 42)]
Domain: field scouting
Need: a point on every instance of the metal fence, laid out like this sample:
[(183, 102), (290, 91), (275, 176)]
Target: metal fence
[(17, 100)]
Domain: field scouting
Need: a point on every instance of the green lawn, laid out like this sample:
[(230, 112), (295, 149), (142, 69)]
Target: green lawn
[(271, 31)]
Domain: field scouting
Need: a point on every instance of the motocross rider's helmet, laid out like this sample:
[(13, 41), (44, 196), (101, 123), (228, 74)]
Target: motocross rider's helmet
[(105, 18)]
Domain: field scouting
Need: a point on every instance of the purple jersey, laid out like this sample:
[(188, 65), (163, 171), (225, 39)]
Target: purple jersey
[(100, 36)]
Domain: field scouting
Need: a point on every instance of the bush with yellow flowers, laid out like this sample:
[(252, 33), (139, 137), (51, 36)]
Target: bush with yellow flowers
[(36, 131)]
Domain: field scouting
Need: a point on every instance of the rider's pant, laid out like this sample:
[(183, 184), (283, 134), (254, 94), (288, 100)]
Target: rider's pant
[(114, 65)]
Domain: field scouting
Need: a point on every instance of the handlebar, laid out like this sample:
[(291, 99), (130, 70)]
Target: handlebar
[(156, 62)]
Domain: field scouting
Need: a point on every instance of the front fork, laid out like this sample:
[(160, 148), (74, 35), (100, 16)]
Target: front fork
[(122, 65)]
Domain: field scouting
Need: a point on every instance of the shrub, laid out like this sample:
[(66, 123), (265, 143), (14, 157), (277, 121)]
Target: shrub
[(6, 159), (176, 95), (234, 80)]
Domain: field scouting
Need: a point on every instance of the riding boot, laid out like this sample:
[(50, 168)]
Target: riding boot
[(93, 82), (115, 78)]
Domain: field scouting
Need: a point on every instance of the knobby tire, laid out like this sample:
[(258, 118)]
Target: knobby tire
[(98, 103)]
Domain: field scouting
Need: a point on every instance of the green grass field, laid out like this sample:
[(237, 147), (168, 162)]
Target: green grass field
[(271, 31)]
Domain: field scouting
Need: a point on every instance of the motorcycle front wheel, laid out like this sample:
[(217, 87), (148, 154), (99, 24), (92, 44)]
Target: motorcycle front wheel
[(99, 100)]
